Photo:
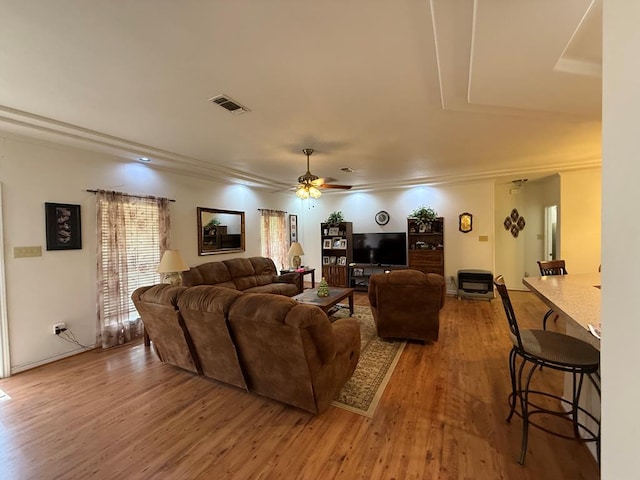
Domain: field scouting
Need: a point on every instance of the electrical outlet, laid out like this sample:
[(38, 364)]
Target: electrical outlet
[(58, 328)]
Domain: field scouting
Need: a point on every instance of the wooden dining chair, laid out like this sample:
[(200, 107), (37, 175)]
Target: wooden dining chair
[(551, 267)]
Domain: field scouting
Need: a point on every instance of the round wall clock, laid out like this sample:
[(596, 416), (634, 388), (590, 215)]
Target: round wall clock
[(382, 217)]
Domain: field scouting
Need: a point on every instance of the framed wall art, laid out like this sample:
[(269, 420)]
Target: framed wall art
[(465, 222), (63, 226), (293, 229)]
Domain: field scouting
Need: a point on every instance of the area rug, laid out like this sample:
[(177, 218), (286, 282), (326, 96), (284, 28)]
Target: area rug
[(378, 359)]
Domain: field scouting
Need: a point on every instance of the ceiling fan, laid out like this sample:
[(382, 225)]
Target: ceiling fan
[(309, 184)]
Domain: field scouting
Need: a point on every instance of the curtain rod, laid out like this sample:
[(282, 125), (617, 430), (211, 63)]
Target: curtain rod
[(283, 211), (134, 196)]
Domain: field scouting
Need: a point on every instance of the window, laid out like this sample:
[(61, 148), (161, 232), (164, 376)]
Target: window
[(273, 236), (132, 234)]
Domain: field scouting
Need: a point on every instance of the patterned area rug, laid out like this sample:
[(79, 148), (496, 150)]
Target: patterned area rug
[(378, 359)]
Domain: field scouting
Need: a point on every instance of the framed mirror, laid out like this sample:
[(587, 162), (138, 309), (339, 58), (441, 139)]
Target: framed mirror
[(220, 231)]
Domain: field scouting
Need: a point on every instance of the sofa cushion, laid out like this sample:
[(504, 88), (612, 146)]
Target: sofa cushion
[(204, 309), (286, 289), (265, 270), (157, 306), (211, 273), (242, 273)]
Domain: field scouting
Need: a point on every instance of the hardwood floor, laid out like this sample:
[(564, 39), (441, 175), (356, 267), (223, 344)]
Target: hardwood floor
[(122, 414)]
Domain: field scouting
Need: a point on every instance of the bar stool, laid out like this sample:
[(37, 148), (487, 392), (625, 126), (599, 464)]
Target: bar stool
[(538, 348), (551, 267)]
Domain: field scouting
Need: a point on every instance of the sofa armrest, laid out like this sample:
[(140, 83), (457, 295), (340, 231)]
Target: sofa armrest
[(344, 331), (292, 277)]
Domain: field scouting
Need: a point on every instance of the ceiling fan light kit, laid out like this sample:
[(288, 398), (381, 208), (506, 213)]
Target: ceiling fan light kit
[(309, 185)]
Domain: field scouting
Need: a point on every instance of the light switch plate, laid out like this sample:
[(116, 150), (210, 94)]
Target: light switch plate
[(23, 252)]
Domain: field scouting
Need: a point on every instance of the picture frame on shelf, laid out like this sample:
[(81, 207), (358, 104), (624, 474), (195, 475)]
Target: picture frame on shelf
[(337, 242), (325, 260), (342, 261), (358, 272), (326, 243), (332, 260), (343, 243), (334, 231), (63, 226)]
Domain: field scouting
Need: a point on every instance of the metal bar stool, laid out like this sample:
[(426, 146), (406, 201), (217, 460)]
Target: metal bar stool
[(538, 348), (551, 267)]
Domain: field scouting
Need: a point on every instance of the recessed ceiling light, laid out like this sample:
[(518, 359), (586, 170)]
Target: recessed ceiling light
[(144, 159)]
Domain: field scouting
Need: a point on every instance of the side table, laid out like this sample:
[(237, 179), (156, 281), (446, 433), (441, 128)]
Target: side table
[(307, 271)]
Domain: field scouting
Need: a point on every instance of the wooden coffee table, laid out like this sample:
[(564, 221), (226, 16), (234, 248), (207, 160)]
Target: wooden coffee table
[(310, 297)]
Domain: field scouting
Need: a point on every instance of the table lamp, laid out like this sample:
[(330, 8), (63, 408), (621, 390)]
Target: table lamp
[(171, 265), (294, 253)]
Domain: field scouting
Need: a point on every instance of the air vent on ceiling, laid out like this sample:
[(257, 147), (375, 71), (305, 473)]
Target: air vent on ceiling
[(227, 102)]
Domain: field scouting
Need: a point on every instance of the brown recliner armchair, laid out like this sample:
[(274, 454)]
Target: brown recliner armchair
[(407, 303)]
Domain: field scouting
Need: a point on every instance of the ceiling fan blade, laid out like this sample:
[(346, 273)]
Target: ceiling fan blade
[(339, 187)]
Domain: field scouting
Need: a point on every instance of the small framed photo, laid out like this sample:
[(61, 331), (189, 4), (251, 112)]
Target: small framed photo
[(325, 260), (358, 272), (343, 243), (334, 231), (337, 242), (326, 243), (342, 261), (332, 260), (62, 221)]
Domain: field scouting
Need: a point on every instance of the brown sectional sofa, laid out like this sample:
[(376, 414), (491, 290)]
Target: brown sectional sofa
[(254, 275), (266, 344)]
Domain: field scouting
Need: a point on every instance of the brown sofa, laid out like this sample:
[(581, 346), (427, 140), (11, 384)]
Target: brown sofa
[(266, 344), (254, 275), (407, 303)]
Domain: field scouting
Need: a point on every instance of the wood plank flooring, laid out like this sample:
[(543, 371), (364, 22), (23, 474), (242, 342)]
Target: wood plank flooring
[(121, 414)]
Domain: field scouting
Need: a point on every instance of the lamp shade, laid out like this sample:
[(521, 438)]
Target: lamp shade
[(296, 249), (172, 262)]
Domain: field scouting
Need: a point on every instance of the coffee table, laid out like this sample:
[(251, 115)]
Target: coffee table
[(310, 297)]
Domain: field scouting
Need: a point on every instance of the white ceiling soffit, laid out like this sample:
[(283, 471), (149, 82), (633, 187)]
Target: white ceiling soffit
[(505, 57)]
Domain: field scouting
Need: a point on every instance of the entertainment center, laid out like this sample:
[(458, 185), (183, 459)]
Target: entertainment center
[(349, 259)]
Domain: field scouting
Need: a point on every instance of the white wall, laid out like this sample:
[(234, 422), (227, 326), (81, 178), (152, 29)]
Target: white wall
[(620, 240), (462, 250), (578, 196), (59, 286)]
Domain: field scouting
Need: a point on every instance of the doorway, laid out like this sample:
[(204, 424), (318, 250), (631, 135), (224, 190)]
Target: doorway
[(551, 247), (5, 369)]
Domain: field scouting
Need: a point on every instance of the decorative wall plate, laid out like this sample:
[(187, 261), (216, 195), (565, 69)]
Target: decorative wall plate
[(465, 222), (382, 217)]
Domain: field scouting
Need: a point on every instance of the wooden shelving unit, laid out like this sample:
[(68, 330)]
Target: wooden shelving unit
[(337, 252), (426, 246)]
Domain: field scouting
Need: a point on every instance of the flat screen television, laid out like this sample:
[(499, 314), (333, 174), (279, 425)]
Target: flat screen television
[(380, 248)]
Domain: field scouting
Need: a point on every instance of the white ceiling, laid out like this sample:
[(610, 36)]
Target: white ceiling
[(405, 92)]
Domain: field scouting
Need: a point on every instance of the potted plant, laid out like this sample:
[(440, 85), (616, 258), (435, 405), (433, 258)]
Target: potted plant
[(210, 227), (334, 219), (424, 215)]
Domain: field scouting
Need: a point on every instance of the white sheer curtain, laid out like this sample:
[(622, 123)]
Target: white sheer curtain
[(132, 232), (273, 236)]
